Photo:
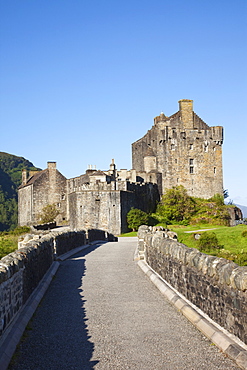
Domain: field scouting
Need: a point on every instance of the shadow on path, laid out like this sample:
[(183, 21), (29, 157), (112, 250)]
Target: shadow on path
[(57, 335)]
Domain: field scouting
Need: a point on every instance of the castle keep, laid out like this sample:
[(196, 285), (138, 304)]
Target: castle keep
[(178, 150), (182, 150)]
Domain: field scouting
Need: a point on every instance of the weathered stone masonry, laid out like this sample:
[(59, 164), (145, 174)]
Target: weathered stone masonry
[(182, 150), (22, 270), (94, 200), (215, 285)]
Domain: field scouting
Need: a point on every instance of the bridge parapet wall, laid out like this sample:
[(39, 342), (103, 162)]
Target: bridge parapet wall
[(215, 285), (22, 270)]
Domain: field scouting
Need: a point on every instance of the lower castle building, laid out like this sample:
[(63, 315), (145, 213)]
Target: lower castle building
[(178, 150), (96, 199)]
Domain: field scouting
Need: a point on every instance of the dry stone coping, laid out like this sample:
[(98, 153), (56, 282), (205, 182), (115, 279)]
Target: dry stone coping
[(32, 244)]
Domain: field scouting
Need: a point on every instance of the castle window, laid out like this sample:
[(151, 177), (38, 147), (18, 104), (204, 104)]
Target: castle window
[(176, 161), (206, 148), (191, 146), (63, 197), (191, 165), (172, 146), (214, 170)]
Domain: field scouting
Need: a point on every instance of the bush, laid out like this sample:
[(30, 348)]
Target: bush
[(49, 213), (218, 199), (21, 230), (244, 234), (136, 218), (208, 241), (176, 205)]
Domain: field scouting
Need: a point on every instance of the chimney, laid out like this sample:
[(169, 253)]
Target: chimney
[(24, 177), (51, 165), (53, 191), (186, 110)]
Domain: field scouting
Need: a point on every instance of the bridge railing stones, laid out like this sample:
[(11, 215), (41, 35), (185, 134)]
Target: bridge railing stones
[(215, 285), (22, 270)]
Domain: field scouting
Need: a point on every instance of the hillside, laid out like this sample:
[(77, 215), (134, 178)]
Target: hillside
[(10, 179)]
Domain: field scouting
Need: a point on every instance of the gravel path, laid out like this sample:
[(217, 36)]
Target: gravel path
[(102, 312)]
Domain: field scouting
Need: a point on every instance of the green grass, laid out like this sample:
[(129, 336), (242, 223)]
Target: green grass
[(9, 240), (8, 244), (233, 244), (132, 233)]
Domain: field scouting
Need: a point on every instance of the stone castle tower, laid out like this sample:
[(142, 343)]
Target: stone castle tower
[(182, 150)]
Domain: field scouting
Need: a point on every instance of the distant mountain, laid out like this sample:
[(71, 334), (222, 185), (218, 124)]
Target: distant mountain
[(243, 209), (10, 179)]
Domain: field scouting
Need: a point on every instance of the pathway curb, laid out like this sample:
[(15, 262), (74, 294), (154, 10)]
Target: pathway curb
[(226, 342), (14, 332)]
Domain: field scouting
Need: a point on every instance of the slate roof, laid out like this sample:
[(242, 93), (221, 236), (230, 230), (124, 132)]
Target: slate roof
[(33, 178), (98, 173)]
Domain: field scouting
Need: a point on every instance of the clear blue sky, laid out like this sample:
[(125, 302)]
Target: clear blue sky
[(80, 80)]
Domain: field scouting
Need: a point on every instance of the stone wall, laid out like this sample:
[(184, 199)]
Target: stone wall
[(41, 188), (187, 151), (103, 207), (22, 270), (215, 285), (95, 209)]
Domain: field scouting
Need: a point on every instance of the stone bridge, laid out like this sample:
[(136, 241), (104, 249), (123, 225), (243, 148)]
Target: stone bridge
[(94, 308)]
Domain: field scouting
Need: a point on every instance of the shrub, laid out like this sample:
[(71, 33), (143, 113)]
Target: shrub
[(176, 205), (244, 234), (218, 199), (21, 230), (49, 213), (136, 218), (208, 241)]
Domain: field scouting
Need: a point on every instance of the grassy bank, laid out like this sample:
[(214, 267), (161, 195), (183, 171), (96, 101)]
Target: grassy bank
[(233, 245), (9, 240)]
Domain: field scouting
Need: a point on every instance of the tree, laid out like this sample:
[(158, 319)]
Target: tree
[(49, 213), (225, 193), (136, 218), (176, 205)]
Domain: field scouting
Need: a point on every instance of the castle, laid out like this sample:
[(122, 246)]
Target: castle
[(178, 150), (182, 150)]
